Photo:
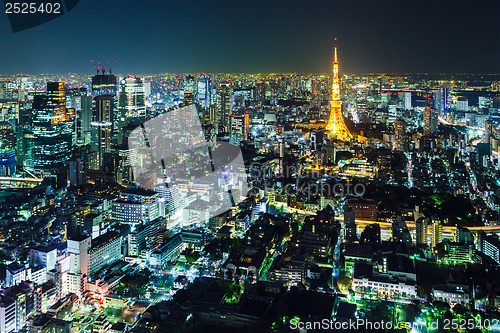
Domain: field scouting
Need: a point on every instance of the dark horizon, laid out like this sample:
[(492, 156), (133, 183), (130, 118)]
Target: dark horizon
[(280, 36)]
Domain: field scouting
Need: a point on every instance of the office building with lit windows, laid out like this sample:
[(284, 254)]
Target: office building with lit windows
[(442, 98), (131, 100), (490, 245), (103, 118), (135, 206), (7, 314), (204, 91), (239, 128), (225, 105), (7, 162), (52, 131), (105, 250), (430, 122), (436, 232)]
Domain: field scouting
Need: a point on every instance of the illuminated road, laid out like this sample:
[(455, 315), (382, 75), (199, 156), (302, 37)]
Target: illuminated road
[(412, 226), (451, 124), (11, 182)]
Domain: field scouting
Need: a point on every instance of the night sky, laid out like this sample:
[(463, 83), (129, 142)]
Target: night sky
[(157, 36)]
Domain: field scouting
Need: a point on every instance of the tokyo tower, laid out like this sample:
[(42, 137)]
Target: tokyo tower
[(336, 125)]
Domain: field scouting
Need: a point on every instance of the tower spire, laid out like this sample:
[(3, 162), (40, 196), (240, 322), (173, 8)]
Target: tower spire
[(335, 59), (336, 125)]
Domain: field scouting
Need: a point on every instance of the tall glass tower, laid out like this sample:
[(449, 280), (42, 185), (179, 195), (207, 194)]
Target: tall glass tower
[(104, 91), (52, 131)]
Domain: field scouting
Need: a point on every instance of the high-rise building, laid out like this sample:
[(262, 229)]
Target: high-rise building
[(421, 232), (407, 100), (484, 102), (7, 314), (189, 90), (392, 113), (442, 98), (7, 162), (399, 133), (104, 91), (78, 250), (488, 128), (105, 250), (146, 237), (400, 232), (464, 236), (189, 83), (239, 128), (260, 93), (225, 98), (490, 245), (204, 91), (350, 224), (131, 101), (81, 102), (463, 104), (188, 97), (336, 125), (56, 102), (52, 130), (430, 122), (437, 232), (135, 206)]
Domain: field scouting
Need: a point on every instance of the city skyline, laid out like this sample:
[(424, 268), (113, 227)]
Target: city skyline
[(221, 37), (291, 163)]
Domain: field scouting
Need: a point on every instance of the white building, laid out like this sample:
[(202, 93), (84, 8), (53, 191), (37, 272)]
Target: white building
[(451, 294), (7, 315), (368, 284), (105, 250), (136, 205), (78, 249), (38, 275), (43, 256), (15, 274)]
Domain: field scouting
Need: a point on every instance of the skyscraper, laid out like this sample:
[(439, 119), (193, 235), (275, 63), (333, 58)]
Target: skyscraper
[(7, 161), (52, 130), (430, 122), (399, 133), (421, 232), (239, 127), (204, 91), (407, 100), (488, 128), (225, 98), (82, 103), (437, 232), (104, 91), (260, 93), (442, 98), (189, 89), (131, 103), (349, 224), (336, 125)]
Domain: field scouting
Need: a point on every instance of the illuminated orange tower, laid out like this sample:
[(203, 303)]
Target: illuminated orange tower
[(336, 125)]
